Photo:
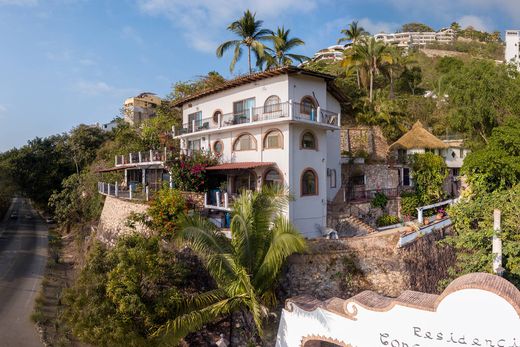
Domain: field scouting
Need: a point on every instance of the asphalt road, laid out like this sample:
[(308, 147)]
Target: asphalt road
[(23, 255)]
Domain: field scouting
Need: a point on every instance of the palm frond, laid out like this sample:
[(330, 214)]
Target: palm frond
[(225, 46), (236, 56), (285, 240)]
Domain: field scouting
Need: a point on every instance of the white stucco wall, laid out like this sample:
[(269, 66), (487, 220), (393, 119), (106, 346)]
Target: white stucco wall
[(305, 211), (468, 317)]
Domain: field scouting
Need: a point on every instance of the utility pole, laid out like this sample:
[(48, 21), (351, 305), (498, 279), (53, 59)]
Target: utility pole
[(497, 244)]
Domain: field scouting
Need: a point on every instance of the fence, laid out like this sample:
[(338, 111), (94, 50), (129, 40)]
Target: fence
[(121, 192), (151, 156)]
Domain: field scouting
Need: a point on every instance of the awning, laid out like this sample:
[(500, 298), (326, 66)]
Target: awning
[(239, 166)]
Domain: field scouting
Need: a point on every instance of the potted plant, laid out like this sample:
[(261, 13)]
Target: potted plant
[(440, 214), (426, 220)]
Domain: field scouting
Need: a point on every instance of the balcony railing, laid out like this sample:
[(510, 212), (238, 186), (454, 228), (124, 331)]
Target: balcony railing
[(367, 195), (128, 193), (144, 157), (289, 110)]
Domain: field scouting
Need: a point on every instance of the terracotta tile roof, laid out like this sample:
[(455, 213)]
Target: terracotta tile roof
[(239, 166), (263, 75), (422, 301)]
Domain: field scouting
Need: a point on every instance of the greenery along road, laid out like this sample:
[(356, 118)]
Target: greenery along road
[(23, 255)]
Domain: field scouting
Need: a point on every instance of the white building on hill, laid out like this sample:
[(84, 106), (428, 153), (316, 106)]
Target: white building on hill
[(513, 47), (274, 127), (406, 39)]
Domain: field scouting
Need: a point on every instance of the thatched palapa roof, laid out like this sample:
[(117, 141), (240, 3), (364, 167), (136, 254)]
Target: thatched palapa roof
[(418, 137)]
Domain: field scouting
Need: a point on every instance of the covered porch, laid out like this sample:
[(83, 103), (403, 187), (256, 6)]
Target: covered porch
[(227, 181)]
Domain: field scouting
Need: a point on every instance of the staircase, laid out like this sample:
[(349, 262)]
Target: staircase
[(352, 226)]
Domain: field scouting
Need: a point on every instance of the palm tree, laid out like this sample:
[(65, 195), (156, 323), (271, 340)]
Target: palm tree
[(244, 267), (369, 55), (353, 33), (279, 55), (395, 63), (251, 35)]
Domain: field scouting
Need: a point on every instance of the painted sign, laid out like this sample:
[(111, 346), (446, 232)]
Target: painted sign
[(475, 310)]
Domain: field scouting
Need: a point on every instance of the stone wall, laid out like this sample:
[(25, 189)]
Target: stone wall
[(113, 222), (194, 199), (345, 267), (364, 139)]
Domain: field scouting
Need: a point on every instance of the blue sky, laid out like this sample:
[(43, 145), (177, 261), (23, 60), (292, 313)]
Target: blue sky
[(66, 62)]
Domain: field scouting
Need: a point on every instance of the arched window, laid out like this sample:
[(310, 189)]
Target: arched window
[(309, 182), (308, 106), (216, 115), (272, 104), (273, 177), (273, 139), (218, 147), (308, 141), (245, 142)]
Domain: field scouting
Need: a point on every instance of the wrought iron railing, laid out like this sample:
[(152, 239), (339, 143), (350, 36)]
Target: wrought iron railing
[(262, 113)]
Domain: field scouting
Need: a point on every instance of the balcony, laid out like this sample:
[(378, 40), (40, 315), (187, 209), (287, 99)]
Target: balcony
[(153, 156), (290, 111)]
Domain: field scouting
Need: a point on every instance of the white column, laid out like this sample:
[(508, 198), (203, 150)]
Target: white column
[(218, 199), (108, 188), (116, 191), (140, 157), (205, 199), (151, 155), (193, 126), (126, 178), (250, 111), (130, 158), (339, 119), (219, 120), (226, 200), (147, 193), (291, 114), (143, 181), (130, 193), (116, 161), (318, 116), (497, 243), (420, 218)]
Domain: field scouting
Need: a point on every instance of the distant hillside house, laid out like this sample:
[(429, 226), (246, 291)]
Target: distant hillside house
[(408, 39), (513, 47), (141, 107), (420, 140), (331, 53), (278, 127)]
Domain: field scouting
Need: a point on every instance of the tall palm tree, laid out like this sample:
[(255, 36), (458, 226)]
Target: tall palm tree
[(353, 33), (369, 55), (279, 55), (244, 267), (251, 35)]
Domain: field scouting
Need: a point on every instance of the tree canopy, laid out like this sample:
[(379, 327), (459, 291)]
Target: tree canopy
[(414, 27)]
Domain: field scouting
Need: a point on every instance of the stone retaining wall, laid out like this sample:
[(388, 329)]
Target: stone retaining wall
[(345, 267), (113, 222)]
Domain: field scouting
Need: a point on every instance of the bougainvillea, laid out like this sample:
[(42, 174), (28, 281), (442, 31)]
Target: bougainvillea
[(188, 171)]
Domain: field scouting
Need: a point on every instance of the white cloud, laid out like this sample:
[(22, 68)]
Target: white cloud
[(474, 21), (130, 33), (201, 21), (3, 111), (18, 2), (93, 88), (375, 27)]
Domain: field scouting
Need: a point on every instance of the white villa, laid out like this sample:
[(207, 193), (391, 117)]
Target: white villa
[(512, 53), (406, 39), (275, 127)]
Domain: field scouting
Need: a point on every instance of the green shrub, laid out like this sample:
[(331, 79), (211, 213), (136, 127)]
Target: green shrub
[(380, 200), (409, 203), (124, 293), (165, 209), (386, 219)]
